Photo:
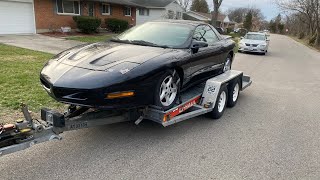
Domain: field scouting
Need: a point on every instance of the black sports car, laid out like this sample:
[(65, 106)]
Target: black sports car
[(149, 64)]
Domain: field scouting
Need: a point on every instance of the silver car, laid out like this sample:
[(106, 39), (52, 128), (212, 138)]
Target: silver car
[(254, 42)]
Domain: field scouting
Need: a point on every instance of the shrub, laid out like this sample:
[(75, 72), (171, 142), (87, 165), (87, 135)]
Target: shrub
[(117, 25), (87, 24), (312, 40), (229, 30), (301, 35), (234, 35)]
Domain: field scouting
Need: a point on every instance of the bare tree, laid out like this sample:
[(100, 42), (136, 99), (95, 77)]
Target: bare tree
[(303, 13), (216, 6), (238, 14), (185, 4)]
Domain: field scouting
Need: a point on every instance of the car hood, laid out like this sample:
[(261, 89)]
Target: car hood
[(250, 41), (105, 55)]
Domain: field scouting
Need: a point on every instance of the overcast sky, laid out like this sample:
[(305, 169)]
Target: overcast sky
[(268, 7)]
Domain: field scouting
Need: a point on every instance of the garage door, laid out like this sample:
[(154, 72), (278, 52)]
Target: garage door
[(16, 17)]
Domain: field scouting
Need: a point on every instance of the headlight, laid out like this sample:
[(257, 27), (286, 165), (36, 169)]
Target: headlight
[(262, 45)]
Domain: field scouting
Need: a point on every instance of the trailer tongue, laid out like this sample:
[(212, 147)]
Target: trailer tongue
[(210, 97)]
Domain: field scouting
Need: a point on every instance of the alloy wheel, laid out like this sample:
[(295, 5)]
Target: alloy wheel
[(168, 91)]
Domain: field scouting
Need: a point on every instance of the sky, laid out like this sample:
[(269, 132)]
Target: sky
[(268, 7)]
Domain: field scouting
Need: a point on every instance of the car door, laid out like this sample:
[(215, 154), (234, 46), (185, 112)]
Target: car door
[(207, 58)]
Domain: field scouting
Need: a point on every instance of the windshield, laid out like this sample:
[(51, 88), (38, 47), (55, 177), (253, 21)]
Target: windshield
[(158, 34), (255, 37)]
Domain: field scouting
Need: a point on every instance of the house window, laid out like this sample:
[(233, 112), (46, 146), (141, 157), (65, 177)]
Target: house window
[(127, 11), (68, 7), (143, 12), (105, 9)]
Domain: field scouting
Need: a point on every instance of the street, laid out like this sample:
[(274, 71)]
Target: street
[(272, 133)]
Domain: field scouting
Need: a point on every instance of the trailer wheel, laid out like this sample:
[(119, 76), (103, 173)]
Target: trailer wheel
[(221, 103), (233, 94)]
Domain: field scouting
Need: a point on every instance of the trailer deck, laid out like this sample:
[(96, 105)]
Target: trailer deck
[(198, 100)]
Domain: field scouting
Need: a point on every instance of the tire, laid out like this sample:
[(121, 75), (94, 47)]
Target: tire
[(221, 104), (233, 93), (166, 94), (227, 64)]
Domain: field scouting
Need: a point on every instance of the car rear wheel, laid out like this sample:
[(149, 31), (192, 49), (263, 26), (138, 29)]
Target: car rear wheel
[(167, 90), (227, 64)]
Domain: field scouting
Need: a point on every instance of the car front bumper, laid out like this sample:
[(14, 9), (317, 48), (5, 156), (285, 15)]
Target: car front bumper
[(252, 49)]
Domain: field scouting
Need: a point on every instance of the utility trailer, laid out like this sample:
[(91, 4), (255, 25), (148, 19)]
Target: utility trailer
[(211, 98)]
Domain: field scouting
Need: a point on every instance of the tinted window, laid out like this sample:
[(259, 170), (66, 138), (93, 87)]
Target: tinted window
[(164, 34), (206, 34)]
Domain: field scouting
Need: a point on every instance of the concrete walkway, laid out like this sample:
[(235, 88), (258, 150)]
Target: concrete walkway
[(39, 42)]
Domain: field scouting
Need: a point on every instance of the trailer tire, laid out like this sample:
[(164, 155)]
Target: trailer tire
[(221, 103), (233, 93)]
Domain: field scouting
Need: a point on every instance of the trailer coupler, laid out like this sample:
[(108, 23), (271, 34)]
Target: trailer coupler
[(24, 133)]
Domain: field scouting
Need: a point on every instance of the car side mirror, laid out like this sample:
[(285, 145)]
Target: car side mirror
[(196, 45)]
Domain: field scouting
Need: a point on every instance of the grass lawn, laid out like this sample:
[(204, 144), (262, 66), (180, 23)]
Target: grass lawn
[(19, 81), (91, 39)]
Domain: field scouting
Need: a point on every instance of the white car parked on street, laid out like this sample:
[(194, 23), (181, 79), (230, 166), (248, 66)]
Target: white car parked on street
[(254, 42)]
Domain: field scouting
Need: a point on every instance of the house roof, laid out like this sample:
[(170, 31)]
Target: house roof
[(221, 17), (152, 3), (208, 16)]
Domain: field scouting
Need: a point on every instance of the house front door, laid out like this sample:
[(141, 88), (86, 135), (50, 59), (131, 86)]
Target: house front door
[(91, 8)]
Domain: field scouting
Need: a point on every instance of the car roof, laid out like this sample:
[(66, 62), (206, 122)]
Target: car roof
[(257, 33), (187, 22)]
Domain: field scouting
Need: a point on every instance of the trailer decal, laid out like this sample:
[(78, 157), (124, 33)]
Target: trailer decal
[(182, 108)]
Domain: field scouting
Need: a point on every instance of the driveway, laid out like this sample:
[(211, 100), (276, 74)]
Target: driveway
[(39, 42), (272, 133)]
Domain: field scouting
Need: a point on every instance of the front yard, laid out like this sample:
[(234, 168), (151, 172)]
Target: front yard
[(19, 81)]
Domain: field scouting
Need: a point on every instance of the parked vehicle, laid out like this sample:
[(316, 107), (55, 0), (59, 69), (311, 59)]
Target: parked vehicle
[(254, 42), (149, 64)]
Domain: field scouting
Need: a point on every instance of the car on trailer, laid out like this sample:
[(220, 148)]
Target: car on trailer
[(150, 64)]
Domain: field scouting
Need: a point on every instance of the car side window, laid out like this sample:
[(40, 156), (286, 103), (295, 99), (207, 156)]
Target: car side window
[(206, 34)]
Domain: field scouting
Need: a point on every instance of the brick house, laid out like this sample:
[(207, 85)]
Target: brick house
[(36, 16)]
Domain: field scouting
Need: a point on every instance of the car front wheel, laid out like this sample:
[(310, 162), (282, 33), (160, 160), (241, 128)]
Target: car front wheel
[(167, 90)]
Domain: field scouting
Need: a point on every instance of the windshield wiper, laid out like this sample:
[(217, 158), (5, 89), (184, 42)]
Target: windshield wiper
[(138, 42), (146, 43)]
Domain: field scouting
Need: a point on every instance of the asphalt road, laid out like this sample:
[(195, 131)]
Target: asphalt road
[(272, 133)]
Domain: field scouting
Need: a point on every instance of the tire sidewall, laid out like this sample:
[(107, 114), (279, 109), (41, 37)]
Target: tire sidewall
[(157, 101), (231, 102), (215, 114)]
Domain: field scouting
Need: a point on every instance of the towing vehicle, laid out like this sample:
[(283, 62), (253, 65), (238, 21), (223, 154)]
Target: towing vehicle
[(211, 98)]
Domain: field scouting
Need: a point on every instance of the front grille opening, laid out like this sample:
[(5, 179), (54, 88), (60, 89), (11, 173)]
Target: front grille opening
[(46, 84)]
